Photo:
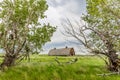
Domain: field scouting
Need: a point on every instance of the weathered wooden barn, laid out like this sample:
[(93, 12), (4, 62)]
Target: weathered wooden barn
[(62, 52)]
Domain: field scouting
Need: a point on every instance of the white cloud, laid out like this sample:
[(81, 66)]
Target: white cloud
[(58, 1), (53, 16)]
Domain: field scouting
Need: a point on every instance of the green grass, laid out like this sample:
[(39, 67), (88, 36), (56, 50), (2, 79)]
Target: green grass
[(45, 68)]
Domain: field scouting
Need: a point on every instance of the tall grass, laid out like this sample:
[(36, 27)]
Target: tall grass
[(45, 68)]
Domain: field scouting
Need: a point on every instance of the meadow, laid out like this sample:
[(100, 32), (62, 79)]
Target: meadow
[(43, 67)]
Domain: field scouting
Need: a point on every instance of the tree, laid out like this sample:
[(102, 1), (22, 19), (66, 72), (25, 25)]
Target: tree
[(101, 31), (20, 29)]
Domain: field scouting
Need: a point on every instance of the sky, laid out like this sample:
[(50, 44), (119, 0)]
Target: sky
[(57, 13)]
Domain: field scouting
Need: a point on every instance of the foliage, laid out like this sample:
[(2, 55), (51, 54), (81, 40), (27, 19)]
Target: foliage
[(39, 37), (20, 28), (102, 16)]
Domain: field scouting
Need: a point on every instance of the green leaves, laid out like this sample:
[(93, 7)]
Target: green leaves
[(19, 18), (103, 17), (41, 35), (92, 6), (22, 10)]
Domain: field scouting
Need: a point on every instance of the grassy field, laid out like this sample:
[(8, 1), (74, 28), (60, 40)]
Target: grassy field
[(46, 68)]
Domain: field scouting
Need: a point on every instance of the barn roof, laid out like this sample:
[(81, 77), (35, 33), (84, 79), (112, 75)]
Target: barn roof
[(61, 51)]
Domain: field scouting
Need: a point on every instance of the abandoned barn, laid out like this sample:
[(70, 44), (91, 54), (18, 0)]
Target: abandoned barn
[(62, 52)]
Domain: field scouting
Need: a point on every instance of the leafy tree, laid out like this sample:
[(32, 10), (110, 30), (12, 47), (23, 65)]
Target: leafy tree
[(20, 29), (101, 33)]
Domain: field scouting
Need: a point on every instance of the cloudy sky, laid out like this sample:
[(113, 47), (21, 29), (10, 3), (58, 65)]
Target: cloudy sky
[(57, 12)]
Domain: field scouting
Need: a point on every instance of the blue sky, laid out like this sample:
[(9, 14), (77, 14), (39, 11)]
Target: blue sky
[(57, 12)]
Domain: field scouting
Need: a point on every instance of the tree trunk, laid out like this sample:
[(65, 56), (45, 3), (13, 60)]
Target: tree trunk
[(113, 62), (8, 61), (11, 56)]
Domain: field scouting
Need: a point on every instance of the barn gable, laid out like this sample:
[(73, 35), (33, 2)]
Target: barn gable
[(62, 52)]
